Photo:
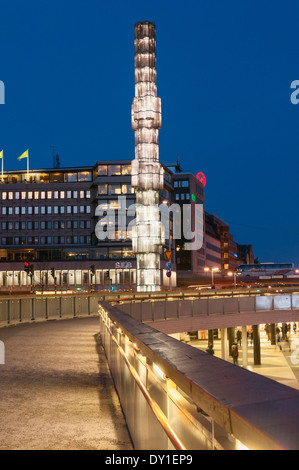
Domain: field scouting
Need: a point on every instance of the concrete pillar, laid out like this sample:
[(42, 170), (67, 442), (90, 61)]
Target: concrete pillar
[(273, 334), (231, 339), (245, 346), (256, 345), (224, 352)]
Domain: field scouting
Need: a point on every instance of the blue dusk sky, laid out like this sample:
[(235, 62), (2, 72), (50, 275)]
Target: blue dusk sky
[(224, 76)]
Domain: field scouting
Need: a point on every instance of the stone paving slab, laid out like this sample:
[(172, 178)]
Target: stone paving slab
[(56, 391)]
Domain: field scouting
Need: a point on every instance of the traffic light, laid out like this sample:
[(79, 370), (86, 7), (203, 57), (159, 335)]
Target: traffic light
[(93, 270), (31, 270), (53, 272), (27, 267)]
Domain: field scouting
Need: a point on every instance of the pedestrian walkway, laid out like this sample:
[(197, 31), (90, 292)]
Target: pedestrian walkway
[(56, 389), (275, 364)]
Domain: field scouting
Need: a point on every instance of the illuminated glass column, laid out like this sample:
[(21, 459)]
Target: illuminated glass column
[(147, 172)]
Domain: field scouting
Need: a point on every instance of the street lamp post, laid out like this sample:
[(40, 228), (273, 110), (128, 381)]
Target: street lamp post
[(212, 270), (235, 277)]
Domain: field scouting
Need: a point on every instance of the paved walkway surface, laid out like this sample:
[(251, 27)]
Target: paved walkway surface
[(56, 391), (276, 364)]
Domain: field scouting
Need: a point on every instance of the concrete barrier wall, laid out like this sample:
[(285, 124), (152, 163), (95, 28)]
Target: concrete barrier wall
[(173, 315), (25, 309)]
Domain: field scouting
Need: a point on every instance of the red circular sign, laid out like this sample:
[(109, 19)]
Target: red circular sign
[(202, 178)]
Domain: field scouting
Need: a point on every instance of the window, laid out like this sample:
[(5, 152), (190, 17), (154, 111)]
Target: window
[(114, 189), (70, 177), (115, 170), (85, 176), (102, 189), (126, 170), (49, 194), (44, 178), (57, 178), (102, 170)]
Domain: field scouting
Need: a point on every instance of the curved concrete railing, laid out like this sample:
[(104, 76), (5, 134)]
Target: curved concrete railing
[(176, 396), (172, 315)]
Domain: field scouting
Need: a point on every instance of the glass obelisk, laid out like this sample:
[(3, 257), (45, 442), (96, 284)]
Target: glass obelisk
[(147, 172)]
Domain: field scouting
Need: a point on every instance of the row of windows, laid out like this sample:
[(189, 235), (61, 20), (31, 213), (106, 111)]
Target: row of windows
[(182, 197), (70, 177), (47, 225), (213, 247), (181, 184), (114, 170), (115, 189), (69, 240), (45, 210), (17, 195)]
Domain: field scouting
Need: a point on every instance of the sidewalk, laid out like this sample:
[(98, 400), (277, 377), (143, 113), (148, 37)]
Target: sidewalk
[(275, 364), (56, 389)]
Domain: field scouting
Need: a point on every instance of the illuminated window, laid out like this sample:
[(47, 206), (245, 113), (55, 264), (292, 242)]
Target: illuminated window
[(114, 170), (70, 177), (102, 189), (102, 170), (126, 170), (84, 176), (44, 178), (49, 194), (114, 189), (57, 178)]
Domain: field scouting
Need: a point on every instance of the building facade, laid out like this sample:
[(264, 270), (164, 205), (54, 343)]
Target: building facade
[(50, 221)]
